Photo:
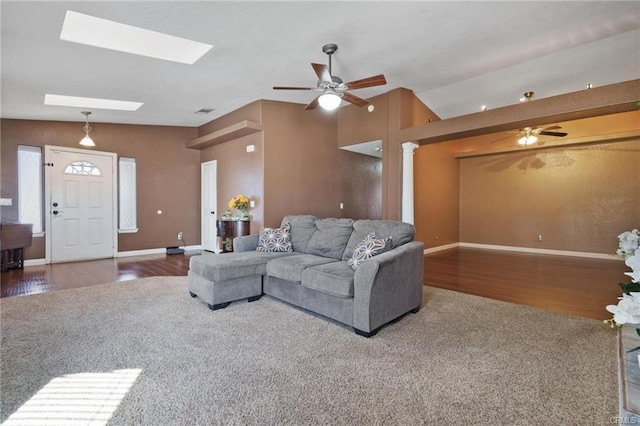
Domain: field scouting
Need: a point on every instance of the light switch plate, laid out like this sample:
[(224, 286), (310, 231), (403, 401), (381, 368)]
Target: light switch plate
[(6, 201)]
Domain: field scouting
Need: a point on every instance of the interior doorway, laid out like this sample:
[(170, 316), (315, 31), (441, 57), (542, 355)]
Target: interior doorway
[(208, 215)]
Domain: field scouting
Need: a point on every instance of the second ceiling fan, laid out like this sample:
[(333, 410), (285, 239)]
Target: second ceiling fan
[(332, 88), (530, 134)]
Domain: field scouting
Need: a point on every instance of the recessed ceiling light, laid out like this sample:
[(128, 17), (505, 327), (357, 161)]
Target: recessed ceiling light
[(91, 103), (98, 32), (483, 108)]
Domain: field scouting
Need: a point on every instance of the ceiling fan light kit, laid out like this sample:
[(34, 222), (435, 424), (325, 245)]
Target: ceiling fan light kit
[(333, 89), (329, 101), (527, 140)]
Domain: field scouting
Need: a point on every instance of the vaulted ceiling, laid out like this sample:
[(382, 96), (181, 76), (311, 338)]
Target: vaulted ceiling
[(455, 56)]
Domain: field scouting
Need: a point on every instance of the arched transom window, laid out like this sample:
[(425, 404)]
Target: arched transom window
[(82, 168)]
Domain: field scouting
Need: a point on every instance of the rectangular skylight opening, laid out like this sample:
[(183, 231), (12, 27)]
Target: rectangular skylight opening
[(97, 103), (98, 32)]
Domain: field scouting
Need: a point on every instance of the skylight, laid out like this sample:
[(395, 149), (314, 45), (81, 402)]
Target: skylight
[(90, 103), (98, 32)]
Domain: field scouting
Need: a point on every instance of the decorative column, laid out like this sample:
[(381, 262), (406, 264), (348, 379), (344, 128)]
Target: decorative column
[(407, 181)]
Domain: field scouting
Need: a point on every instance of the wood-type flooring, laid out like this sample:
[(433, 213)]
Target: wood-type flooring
[(571, 285)]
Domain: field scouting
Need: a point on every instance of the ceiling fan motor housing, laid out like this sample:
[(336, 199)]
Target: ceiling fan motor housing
[(330, 48)]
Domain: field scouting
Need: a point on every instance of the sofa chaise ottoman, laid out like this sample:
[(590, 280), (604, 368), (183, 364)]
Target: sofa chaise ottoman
[(362, 273)]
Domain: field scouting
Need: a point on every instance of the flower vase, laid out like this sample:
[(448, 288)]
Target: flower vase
[(244, 215)]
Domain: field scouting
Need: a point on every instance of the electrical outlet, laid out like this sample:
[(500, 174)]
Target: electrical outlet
[(180, 235)]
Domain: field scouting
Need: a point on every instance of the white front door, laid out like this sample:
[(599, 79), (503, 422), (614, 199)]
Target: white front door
[(208, 206), (80, 204)]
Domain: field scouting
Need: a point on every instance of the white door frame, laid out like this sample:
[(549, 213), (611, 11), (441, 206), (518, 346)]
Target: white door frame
[(203, 216), (47, 193)]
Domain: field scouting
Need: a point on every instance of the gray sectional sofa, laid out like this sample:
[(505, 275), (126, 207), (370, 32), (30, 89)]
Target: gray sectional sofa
[(316, 275)]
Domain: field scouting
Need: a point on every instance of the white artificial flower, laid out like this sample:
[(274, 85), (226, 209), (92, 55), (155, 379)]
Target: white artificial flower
[(628, 243), (633, 262), (627, 310)]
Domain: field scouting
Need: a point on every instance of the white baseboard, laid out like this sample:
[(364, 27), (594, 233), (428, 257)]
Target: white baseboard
[(35, 262), (542, 251), (43, 261), (152, 251), (141, 252), (440, 248)]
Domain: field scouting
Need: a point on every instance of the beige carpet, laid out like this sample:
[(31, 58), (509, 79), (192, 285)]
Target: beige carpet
[(461, 360)]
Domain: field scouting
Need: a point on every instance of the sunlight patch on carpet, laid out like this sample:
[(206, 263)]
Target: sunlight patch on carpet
[(83, 398)]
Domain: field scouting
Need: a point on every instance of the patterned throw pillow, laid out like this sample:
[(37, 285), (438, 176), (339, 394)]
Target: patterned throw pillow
[(367, 248), (275, 239)]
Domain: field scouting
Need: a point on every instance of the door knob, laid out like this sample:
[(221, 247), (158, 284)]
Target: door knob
[(55, 204), (213, 212), (57, 211)]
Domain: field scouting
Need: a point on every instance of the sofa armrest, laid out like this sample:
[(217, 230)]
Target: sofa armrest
[(388, 286), (246, 242)]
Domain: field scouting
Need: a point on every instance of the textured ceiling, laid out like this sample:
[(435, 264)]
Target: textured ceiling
[(455, 56)]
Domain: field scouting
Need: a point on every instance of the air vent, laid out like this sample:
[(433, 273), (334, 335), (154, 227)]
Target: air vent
[(205, 110)]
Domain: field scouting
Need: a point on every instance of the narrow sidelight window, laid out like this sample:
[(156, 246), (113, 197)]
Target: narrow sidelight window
[(30, 186), (127, 191)]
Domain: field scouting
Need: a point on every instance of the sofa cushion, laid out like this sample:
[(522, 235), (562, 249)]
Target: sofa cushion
[(291, 267), (275, 239), (227, 266), (367, 248), (330, 237), (400, 233), (335, 279), (302, 228)]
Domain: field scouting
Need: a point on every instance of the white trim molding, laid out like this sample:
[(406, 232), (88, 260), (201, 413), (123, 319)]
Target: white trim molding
[(542, 251), (153, 251), (35, 262), (128, 231), (441, 248)]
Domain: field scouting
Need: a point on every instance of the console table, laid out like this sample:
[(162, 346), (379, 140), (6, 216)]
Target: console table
[(229, 229), (14, 237)]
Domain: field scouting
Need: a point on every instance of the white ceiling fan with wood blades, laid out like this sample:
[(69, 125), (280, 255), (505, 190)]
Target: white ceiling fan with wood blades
[(332, 89)]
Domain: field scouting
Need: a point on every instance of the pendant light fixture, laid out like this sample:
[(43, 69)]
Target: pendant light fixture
[(87, 141)]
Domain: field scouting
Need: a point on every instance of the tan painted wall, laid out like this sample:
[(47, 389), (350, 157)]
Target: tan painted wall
[(239, 172), (251, 112), (297, 167), (578, 198), (356, 124), (168, 175), (303, 166), (437, 189)]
